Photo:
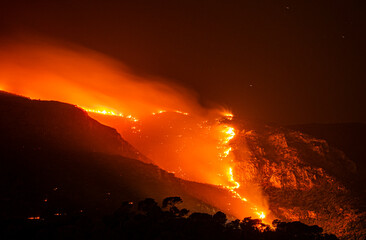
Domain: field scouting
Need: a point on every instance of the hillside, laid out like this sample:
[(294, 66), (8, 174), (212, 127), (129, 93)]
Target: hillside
[(33, 124), (349, 138), (56, 159), (303, 177), (307, 179)]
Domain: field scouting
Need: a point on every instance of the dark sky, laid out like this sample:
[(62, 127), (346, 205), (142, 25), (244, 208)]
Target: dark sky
[(275, 61)]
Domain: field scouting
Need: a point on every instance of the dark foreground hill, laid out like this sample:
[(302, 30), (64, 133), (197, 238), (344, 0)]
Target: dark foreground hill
[(35, 125)]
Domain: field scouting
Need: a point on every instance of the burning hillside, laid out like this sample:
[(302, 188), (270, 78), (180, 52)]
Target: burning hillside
[(302, 177), (192, 149), (189, 140), (270, 172), (57, 159)]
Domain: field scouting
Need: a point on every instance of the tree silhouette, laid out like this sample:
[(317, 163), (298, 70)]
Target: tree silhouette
[(147, 220)]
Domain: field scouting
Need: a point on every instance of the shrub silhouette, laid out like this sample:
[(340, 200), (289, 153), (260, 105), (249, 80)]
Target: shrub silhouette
[(147, 220)]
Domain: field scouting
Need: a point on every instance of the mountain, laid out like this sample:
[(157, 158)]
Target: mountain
[(40, 124), (312, 174), (347, 137), (55, 159), (306, 178)]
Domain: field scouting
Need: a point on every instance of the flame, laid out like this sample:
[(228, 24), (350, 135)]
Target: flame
[(224, 154), (228, 115), (184, 113), (231, 179), (261, 215), (109, 112), (229, 134)]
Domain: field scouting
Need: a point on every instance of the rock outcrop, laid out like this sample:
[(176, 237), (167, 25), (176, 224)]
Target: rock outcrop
[(304, 178)]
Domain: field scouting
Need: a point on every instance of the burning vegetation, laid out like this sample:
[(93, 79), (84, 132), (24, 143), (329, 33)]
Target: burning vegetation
[(263, 170), (191, 148)]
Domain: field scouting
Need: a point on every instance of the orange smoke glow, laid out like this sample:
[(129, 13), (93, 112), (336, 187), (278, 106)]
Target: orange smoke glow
[(88, 79), (165, 122)]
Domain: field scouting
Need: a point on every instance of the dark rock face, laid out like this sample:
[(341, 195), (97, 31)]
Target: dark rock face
[(350, 139), (304, 177)]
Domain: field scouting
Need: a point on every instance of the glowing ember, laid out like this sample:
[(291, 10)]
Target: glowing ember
[(228, 115), (134, 119), (226, 153), (106, 112), (184, 113), (261, 215)]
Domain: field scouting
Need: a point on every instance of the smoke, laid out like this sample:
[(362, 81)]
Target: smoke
[(49, 70)]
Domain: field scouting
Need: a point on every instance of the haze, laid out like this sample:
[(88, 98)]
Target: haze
[(271, 61)]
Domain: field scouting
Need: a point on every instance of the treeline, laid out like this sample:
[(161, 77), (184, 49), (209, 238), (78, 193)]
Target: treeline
[(147, 220)]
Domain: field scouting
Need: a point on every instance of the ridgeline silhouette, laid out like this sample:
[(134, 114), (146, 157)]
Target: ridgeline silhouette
[(147, 220)]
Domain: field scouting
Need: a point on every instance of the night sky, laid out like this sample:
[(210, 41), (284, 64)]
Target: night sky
[(273, 61)]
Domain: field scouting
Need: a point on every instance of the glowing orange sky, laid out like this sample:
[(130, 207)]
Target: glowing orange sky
[(88, 79)]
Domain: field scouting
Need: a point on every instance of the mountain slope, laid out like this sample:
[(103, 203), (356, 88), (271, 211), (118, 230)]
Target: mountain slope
[(304, 177), (37, 124), (348, 137), (55, 159)]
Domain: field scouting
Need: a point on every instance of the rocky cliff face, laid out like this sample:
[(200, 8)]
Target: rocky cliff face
[(304, 178)]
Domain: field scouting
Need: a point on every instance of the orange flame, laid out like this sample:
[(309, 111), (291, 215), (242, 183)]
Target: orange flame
[(229, 135), (111, 113)]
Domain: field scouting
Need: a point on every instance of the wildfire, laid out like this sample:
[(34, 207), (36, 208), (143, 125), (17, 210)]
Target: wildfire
[(132, 118), (228, 115), (229, 134), (261, 215), (201, 150), (108, 112), (184, 113)]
